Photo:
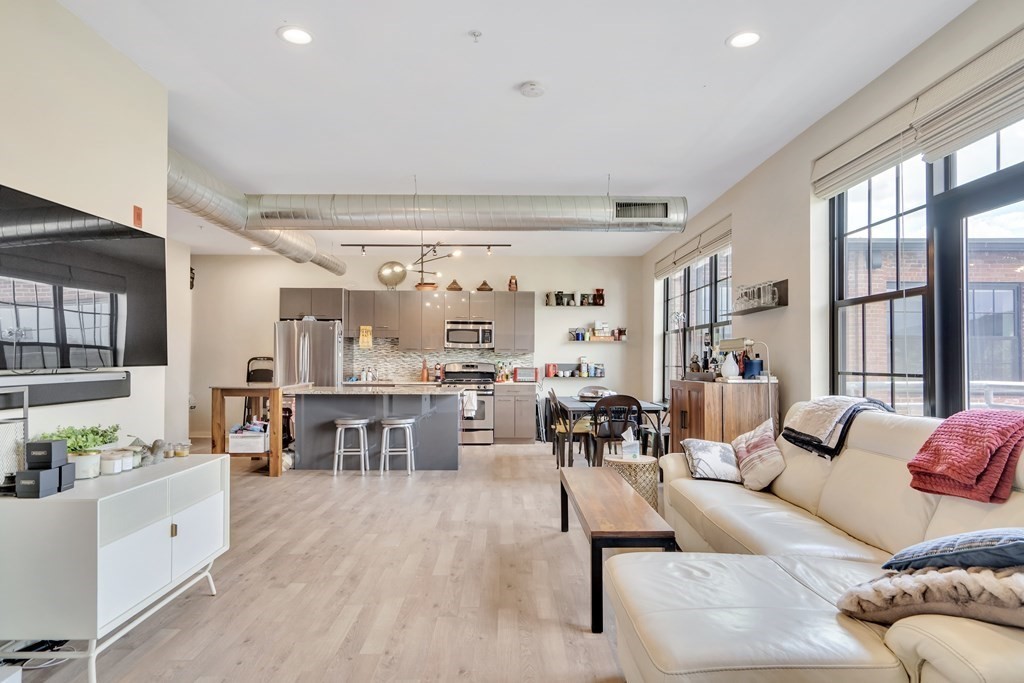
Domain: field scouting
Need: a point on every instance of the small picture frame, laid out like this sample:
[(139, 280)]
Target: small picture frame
[(584, 299)]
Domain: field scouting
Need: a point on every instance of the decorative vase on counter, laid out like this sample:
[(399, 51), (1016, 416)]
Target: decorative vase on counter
[(730, 368), (598, 298)]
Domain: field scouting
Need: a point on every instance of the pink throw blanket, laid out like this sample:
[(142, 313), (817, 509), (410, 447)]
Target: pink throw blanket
[(972, 454)]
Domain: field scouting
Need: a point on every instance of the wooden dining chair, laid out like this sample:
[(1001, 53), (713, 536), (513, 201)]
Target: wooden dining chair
[(613, 415), (562, 437)]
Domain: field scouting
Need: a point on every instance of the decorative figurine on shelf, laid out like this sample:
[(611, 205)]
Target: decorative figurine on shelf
[(694, 363), (513, 284), (484, 287), (584, 299), (598, 299), (559, 299)]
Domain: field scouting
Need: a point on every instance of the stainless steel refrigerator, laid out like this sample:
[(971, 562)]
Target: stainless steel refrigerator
[(308, 351)]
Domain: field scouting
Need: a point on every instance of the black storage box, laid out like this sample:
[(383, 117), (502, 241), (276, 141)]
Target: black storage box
[(67, 476), (46, 455), (37, 483)]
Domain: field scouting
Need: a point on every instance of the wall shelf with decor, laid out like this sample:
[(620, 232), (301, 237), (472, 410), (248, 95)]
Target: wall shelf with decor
[(766, 296), (570, 368), (574, 299)]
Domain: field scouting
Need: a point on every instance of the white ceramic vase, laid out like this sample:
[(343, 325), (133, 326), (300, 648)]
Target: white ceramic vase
[(730, 368)]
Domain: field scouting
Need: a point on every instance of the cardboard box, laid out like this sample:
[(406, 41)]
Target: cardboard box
[(249, 442), (67, 477), (46, 455), (37, 483)]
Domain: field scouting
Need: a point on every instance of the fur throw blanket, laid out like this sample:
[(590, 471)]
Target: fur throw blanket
[(992, 595)]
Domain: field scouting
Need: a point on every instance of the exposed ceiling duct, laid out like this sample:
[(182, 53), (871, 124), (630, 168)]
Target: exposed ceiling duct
[(43, 224), (195, 189), (466, 212), (273, 220)]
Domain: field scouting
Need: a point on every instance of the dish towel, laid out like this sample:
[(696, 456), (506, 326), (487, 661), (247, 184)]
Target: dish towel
[(821, 425), (973, 454), (469, 404)]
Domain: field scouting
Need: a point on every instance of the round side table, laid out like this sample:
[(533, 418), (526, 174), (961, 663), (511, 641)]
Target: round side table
[(641, 473)]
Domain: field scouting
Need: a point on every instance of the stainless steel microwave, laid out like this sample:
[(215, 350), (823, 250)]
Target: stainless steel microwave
[(469, 334)]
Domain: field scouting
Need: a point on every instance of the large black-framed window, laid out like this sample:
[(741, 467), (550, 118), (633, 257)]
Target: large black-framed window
[(698, 312), (44, 326), (928, 273)]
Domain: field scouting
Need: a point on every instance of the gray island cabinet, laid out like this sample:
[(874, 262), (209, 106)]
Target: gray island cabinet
[(435, 408)]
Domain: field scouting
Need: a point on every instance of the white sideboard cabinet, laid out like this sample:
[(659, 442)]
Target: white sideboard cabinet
[(93, 562)]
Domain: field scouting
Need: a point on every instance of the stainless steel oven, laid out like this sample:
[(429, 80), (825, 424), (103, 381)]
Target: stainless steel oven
[(469, 334), (476, 407)]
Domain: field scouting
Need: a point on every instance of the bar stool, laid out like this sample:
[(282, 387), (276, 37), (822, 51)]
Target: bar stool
[(359, 424), (391, 424)]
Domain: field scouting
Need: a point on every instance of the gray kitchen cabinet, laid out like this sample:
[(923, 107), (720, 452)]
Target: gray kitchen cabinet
[(385, 314), (432, 327), (481, 305), (504, 417), (456, 305), (515, 413), (295, 303), (526, 417), (525, 309), (359, 311), (505, 322), (327, 303), (410, 310)]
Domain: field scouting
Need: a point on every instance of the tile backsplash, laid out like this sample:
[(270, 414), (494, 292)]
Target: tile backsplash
[(405, 366)]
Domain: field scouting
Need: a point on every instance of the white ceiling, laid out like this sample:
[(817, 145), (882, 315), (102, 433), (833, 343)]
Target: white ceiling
[(648, 92)]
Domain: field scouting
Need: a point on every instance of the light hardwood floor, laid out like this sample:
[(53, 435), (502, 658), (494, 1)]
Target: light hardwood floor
[(443, 576)]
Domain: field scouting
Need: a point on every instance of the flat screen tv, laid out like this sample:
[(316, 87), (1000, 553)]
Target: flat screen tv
[(77, 291)]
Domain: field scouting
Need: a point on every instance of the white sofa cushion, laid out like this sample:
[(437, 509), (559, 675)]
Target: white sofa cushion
[(715, 617), (868, 496), (804, 477), (734, 519)]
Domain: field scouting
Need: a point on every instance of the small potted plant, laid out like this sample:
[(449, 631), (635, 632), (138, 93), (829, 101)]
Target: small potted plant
[(84, 446)]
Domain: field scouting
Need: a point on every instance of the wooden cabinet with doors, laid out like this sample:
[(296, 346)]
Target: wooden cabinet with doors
[(717, 411)]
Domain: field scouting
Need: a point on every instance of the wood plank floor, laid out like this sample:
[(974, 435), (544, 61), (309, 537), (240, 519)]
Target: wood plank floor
[(443, 576)]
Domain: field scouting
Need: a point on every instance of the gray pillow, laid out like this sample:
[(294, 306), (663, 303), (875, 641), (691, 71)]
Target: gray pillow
[(711, 460), (995, 548), (992, 595)]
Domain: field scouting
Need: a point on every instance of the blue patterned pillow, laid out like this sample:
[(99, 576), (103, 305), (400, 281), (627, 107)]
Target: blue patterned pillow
[(992, 548)]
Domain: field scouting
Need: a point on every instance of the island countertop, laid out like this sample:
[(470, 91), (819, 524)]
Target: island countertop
[(375, 390)]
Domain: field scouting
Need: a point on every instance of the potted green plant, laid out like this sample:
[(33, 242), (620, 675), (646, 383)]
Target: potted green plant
[(84, 446)]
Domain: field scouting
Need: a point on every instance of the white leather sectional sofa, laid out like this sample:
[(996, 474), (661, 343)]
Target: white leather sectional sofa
[(752, 596)]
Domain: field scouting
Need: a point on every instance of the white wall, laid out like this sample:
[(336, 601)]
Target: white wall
[(235, 305), (179, 340), (780, 230), (83, 126)]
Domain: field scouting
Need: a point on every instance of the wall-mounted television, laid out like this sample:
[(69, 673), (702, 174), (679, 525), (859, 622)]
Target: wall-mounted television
[(77, 291)]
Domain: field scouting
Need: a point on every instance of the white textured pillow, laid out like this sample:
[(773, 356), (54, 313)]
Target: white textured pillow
[(759, 459), (992, 595), (711, 460)]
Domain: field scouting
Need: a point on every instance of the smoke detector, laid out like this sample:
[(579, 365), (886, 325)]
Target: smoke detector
[(531, 89)]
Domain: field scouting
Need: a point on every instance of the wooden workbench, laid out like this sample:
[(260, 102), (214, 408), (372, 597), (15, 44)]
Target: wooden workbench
[(218, 427)]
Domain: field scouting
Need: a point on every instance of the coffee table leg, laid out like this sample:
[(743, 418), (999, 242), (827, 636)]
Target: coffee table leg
[(565, 507), (596, 587)]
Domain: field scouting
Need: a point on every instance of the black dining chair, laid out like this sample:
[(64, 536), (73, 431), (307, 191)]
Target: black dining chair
[(562, 436), (613, 415)]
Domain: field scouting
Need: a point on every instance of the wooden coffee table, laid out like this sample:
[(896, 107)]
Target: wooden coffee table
[(612, 515)]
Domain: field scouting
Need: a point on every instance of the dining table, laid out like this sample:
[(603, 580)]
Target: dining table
[(578, 409)]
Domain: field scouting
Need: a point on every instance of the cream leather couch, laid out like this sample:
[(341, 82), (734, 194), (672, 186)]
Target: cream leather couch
[(752, 597)]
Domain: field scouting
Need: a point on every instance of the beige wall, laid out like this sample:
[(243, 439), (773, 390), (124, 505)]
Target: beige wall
[(235, 305), (781, 231), (179, 340), (83, 126)]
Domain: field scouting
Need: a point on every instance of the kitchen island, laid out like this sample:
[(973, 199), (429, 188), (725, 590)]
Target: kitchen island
[(436, 409)]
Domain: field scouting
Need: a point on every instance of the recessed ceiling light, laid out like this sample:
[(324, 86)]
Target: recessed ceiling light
[(531, 89), (256, 248), (743, 39), (295, 35)]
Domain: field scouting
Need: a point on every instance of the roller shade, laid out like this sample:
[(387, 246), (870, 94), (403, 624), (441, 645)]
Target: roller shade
[(64, 275), (872, 151), (715, 238), (978, 99)]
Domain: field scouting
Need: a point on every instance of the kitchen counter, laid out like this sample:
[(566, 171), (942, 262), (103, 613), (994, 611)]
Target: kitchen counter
[(436, 409), (396, 389)]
